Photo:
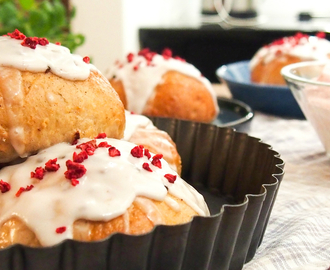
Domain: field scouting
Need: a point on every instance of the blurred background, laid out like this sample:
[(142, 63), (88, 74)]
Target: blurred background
[(107, 30), (191, 28)]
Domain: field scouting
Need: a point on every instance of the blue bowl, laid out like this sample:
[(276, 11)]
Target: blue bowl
[(271, 99)]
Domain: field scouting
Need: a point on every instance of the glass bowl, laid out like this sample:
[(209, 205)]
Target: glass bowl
[(311, 88)]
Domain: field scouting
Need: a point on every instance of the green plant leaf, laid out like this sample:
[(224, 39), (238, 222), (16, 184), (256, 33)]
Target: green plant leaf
[(39, 22), (8, 18), (46, 7), (59, 15), (26, 4)]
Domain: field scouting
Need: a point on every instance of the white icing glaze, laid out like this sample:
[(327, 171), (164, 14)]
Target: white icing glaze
[(150, 209), (172, 203), (108, 188), (139, 84), (126, 222), (10, 85), (135, 121), (58, 58), (307, 48)]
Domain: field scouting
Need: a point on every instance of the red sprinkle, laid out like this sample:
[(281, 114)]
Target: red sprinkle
[(75, 170), (89, 147), (22, 189), (4, 186), (17, 35), (43, 41), (19, 192), (38, 173), (147, 54), (58, 43), (147, 153), (156, 160), (170, 177), (137, 151), (86, 59), (101, 136), (321, 35), (60, 229), (144, 51), (104, 144), (74, 182), (167, 53), (79, 158), (130, 57), (30, 42), (292, 40), (51, 166), (146, 167), (136, 67), (29, 187), (114, 152)]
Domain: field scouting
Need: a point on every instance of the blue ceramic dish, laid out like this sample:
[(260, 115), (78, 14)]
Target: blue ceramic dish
[(271, 99)]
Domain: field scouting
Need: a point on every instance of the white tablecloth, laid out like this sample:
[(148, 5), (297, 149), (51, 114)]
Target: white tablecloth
[(298, 232)]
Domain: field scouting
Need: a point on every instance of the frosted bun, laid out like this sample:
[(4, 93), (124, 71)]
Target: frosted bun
[(48, 95), (161, 85), (90, 190), (268, 61)]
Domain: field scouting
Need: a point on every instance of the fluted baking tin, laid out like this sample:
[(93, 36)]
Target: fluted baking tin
[(239, 177)]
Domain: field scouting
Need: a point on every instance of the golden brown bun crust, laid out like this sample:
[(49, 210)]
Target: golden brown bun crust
[(119, 87), (270, 73), (158, 142), (15, 231), (178, 96), (52, 109)]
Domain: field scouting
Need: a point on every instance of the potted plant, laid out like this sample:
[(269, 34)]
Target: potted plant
[(43, 18)]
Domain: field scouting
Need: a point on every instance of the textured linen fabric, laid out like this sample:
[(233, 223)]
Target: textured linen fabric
[(298, 232)]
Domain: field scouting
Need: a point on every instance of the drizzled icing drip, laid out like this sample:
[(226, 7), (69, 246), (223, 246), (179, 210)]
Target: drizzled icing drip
[(135, 121), (52, 57), (300, 45), (105, 191), (141, 73)]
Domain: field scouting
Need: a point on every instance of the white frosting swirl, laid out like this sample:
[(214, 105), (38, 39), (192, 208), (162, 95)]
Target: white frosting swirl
[(57, 58), (108, 188), (141, 76)]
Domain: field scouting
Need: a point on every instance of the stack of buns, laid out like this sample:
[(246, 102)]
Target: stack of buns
[(268, 61), (79, 177), (164, 86)]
